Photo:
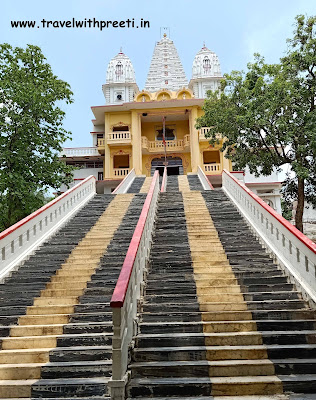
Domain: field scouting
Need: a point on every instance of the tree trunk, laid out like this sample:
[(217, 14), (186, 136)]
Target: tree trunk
[(300, 205)]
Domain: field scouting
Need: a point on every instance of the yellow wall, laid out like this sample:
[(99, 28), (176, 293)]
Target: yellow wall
[(142, 162), (120, 117)]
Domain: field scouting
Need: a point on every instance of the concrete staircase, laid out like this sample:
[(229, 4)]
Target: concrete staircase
[(136, 184), (219, 318), (56, 335)]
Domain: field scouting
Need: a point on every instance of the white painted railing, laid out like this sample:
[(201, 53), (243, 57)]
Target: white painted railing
[(22, 238), (79, 152), (119, 172), (203, 179), (128, 290), (164, 180), (293, 250), (126, 183), (212, 168), (121, 136)]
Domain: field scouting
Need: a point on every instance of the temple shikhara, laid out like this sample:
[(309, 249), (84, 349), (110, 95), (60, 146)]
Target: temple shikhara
[(128, 130)]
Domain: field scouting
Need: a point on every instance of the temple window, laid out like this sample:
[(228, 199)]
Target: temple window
[(206, 65), (169, 133), (119, 70)]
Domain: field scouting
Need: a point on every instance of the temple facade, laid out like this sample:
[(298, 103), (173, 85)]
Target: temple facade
[(128, 130)]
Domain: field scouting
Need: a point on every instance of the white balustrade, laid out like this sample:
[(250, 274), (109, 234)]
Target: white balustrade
[(120, 136), (204, 180), (293, 250), (101, 142), (164, 180), (79, 152), (212, 168), (119, 172), (126, 183), (128, 290), (21, 239)]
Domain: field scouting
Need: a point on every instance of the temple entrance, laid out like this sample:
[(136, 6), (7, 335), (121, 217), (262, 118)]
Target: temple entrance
[(174, 166)]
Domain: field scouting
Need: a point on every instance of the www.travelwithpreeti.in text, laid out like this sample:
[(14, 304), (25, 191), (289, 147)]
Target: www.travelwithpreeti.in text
[(82, 23)]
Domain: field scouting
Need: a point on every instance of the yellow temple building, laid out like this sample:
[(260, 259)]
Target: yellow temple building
[(128, 130)]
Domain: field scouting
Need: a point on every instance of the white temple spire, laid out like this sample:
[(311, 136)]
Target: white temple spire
[(166, 70)]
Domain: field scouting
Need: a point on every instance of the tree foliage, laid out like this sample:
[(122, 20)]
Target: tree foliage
[(267, 115), (31, 131)]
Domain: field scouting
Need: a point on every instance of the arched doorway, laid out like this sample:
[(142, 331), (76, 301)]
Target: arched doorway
[(174, 166)]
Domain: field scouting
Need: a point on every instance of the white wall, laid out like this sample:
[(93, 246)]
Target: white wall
[(82, 174)]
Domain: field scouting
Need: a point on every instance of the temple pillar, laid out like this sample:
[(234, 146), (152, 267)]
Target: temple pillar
[(137, 143), (107, 151), (194, 140)]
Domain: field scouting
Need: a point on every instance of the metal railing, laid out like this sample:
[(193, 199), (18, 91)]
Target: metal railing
[(22, 238), (290, 247), (128, 290)]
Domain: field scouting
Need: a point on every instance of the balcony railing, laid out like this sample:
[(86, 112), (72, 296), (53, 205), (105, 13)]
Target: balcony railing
[(186, 141), (203, 132), (101, 142), (157, 146), (210, 169), (79, 152), (122, 137), (120, 172)]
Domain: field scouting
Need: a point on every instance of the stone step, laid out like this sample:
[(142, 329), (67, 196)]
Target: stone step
[(217, 353), (202, 368), (186, 387)]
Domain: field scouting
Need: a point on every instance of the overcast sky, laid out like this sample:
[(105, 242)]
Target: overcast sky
[(233, 29)]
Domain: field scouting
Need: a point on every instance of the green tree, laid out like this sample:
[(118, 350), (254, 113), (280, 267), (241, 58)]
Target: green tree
[(266, 115), (31, 131)]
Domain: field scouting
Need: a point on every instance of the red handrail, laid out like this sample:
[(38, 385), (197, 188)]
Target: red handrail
[(120, 290), (42, 209), (164, 180), (300, 236)]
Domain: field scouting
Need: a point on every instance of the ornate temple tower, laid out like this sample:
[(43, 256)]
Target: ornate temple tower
[(166, 70), (120, 86), (206, 73)]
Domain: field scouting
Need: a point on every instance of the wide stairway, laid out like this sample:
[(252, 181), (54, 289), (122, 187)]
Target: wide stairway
[(55, 314), (219, 318)]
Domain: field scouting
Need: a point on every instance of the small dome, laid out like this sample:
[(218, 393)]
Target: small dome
[(120, 70), (206, 64)]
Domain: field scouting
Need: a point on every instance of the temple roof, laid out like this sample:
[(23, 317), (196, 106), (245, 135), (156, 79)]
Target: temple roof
[(120, 69), (206, 64)]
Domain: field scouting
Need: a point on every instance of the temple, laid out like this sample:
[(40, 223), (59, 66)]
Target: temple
[(127, 131)]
